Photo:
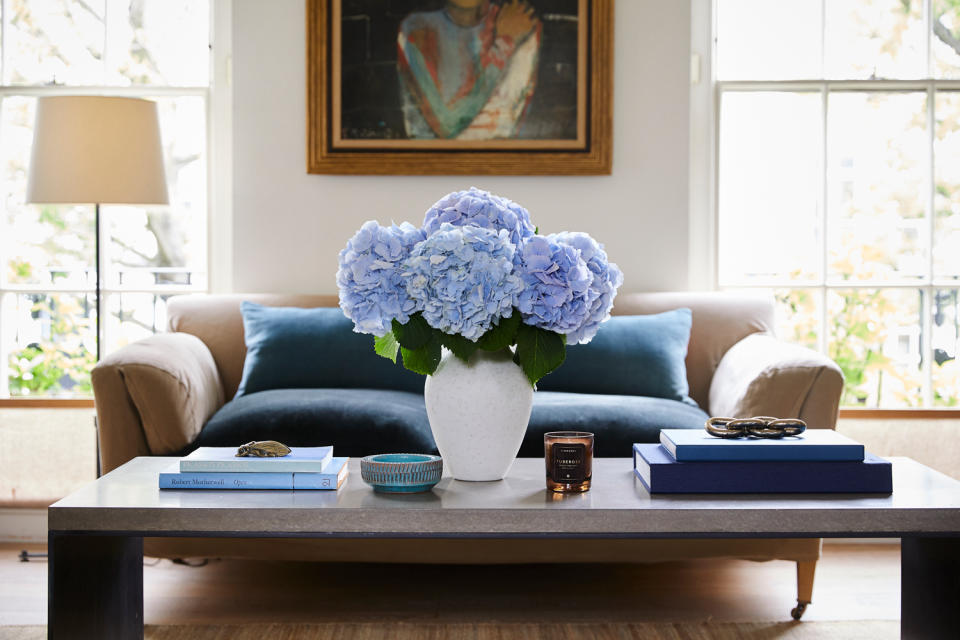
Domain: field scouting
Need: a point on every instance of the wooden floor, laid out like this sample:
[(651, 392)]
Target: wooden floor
[(854, 582)]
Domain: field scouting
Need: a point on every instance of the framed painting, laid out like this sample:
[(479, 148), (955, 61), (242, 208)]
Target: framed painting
[(474, 87)]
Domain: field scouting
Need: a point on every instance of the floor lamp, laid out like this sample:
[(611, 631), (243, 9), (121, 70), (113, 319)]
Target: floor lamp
[(96, 150)]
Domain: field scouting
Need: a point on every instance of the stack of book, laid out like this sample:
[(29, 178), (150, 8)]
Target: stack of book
[(816, 461), (304, 468)]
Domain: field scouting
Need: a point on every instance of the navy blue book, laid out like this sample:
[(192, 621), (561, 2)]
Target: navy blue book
[(813, 444), (660, 473)]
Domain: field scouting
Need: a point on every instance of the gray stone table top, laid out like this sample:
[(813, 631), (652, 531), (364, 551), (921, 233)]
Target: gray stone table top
[(127, 500)]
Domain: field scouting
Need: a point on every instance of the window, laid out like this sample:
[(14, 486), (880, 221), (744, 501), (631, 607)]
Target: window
[(838, 183), (155, 49)]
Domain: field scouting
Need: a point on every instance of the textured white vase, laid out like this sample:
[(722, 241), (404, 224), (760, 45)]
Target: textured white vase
[(478, 413)]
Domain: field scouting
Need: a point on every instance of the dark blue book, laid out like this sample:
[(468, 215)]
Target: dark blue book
[(813, 444), (660, 473)]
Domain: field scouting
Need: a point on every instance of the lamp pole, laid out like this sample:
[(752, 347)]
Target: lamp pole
[(96, 250)]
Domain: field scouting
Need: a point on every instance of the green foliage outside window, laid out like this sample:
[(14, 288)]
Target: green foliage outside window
[(800, 308), (855, 343), (856, 333), (59, 362)]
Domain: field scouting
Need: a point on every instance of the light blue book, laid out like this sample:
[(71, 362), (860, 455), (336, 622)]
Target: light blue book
[(224, 459), (824, 445), (331, 479), (173, 478)]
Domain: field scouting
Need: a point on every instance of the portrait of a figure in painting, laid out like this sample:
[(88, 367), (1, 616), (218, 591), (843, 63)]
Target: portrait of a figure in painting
[(459, 74)]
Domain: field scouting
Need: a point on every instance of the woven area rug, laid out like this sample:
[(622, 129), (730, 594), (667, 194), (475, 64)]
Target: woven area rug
[(857, 630)]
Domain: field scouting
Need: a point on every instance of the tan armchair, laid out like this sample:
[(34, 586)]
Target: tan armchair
[(154, 396)]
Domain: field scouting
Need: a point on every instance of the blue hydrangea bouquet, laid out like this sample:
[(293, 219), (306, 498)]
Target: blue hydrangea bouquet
[(476, 275)]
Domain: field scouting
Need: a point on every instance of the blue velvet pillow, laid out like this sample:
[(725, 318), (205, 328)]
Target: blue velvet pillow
[(291, 348), (630, 356)]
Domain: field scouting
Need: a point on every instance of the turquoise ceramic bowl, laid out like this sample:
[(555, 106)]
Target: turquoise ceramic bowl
[(401, 472)]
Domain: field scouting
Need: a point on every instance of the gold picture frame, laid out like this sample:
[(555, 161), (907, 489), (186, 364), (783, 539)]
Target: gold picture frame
[(588, 151)]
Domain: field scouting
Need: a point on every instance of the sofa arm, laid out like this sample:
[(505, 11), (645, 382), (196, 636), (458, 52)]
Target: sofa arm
[(153, 396), (762, 376)]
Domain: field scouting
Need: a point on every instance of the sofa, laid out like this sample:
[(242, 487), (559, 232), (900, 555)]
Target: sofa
[(168, 393)]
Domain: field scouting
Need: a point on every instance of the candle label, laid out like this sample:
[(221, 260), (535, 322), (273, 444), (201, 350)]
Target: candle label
[(569, 463)]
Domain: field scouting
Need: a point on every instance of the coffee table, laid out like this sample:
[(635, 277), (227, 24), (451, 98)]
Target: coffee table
[(96, 534)]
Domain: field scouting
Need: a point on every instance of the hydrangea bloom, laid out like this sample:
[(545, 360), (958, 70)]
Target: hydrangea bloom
[(557, 295), (480, 208), (372, 289), (607, 278), (462, 278)]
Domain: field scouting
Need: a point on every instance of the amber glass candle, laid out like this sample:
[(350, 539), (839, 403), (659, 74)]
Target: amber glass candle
[(569, 459)]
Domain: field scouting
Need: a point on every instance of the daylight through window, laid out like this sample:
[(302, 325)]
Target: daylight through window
[(154, 49), (838, 177)]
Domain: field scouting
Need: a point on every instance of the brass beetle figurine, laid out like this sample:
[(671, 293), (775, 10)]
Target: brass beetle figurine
[(263, 449)]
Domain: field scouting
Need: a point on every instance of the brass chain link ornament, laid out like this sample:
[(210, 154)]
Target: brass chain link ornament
[(756, 427)]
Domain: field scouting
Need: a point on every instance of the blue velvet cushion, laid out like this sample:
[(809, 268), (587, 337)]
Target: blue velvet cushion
[(291, 348), (630, 356), (357, 422), (617, 422)]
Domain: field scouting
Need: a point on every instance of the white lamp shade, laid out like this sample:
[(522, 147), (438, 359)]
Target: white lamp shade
[(96, 149)]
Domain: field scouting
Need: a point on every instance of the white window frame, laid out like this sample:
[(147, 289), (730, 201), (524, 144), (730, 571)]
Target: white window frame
[(706, 98), (217, 96)]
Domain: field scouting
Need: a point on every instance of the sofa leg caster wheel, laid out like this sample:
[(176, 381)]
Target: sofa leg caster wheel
[(797, 612)]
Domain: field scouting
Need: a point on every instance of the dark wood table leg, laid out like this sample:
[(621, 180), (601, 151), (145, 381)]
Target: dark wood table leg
[(930, 588), (95, 586)]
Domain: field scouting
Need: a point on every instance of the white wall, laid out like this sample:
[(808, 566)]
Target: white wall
[(288, 225)]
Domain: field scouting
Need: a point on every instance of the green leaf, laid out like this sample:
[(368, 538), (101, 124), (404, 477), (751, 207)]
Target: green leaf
[(461, 347), (423, 360), (387, 346), (501, 335), (415, 334), (539, 351)]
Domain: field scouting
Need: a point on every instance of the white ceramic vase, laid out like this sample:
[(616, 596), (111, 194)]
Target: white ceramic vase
[(478, 413)]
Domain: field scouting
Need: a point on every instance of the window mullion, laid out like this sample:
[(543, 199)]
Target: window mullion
[(4, 32), (873, 85), (129, 91), (926, 308), (106, 43), (102, 262), (4, 366), (823, 38), (3, 271), (4, 356), (926, 352), (928, 35), (715, 182), (822, 341)]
